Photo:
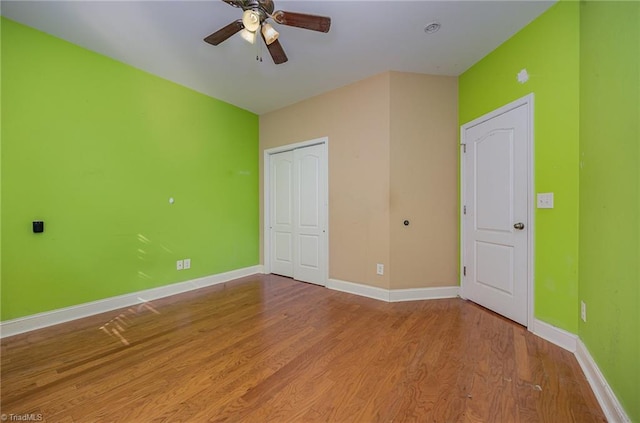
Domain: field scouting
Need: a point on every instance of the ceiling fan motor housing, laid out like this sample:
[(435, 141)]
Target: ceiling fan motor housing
[(263, 7)]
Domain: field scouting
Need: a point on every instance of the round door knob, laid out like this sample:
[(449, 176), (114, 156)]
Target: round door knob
[(519, 226)]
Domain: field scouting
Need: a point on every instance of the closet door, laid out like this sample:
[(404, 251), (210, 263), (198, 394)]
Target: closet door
[(308, 210), (281, 204), (297, 201)]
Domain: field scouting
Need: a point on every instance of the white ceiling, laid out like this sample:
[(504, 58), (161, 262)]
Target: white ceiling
[(165, 38)]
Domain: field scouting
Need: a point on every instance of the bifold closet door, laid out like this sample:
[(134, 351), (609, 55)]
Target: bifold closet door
[(298, 193)]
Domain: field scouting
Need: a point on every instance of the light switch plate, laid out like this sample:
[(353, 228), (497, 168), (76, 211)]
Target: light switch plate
[(545, 200)]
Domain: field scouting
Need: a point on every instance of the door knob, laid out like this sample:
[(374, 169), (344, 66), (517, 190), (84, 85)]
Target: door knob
[(519, 226)]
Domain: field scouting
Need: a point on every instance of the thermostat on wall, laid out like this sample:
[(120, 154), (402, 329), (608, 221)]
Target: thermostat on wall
[(38, 226)]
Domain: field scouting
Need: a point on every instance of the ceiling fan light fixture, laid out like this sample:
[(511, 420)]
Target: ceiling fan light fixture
[(270, 34), (248, 36), (251, 20)]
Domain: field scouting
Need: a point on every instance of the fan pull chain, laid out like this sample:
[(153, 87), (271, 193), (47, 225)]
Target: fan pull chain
[(259, 52)]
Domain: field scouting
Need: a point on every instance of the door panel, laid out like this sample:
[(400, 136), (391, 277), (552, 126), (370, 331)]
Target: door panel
[(282, 213), (494, 176), (309, 208), (308, 188), (495, 196), (495, 266), (309, 251), (283, 247)]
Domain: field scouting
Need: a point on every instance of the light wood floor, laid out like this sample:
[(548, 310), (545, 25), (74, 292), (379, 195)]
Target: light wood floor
[(269, 349)]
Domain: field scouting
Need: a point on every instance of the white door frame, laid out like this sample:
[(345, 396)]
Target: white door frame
[(526, 100), (266, 207)]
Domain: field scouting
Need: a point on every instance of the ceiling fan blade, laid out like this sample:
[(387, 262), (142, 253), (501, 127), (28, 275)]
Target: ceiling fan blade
[(224, 33), (303, 20), (277, 52)]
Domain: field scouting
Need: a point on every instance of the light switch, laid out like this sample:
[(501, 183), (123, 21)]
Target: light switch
[(545, 200)]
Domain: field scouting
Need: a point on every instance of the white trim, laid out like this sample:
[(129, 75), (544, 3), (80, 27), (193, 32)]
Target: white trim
[(294, 146), (555, 335), (359, 289), (266, 163), (61, 315), (532, 209), (461, 215), (529, 101), (433, 293), (604, 394), (611, 407), (393, 295)]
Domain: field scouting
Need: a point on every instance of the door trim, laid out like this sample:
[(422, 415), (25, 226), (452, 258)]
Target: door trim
[(526, 100), (266, 199)]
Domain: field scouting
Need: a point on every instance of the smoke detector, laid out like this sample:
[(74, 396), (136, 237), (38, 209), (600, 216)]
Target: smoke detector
[(432, 27)]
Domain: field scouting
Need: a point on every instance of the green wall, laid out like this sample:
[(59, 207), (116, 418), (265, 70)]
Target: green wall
[(549, 49), (584, 63), (610, 193), (96, 148)]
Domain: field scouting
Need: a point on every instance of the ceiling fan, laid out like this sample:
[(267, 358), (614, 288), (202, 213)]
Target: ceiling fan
[(254, 16)]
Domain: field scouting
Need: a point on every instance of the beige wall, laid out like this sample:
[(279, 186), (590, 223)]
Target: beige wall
[(355, 118), (392, 155), (423, 180)]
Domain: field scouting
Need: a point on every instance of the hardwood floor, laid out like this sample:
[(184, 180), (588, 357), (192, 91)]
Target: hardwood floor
[(269, 349)]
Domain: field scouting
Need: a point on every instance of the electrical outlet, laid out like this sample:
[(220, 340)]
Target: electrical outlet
[(187, 263), (179, 265), (583, 311), (380, 269)]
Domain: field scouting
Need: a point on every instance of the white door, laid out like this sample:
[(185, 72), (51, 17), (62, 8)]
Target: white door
[(309, 218), (281, 212), (298, 214), (495, 213)]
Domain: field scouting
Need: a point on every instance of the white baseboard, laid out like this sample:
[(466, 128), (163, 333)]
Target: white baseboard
[(434, 293), (393, 295), (606, 398), (555, 335), (610, 405), (54, 317), (359, 289)]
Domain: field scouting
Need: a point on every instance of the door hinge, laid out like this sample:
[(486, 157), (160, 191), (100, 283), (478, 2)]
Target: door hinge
[(464, 209), (464, 270), (464, 148)]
